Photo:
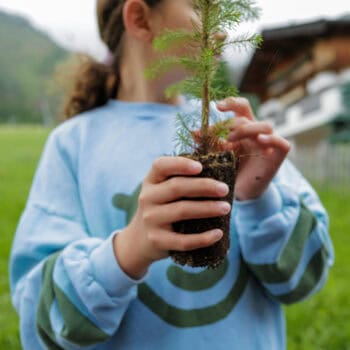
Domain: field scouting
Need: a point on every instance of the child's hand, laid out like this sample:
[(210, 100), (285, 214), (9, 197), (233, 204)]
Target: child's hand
[(150, 235), (261, 151)]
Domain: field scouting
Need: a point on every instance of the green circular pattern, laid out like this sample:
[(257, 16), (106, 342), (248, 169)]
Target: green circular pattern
[(194, 317), (194, 282)]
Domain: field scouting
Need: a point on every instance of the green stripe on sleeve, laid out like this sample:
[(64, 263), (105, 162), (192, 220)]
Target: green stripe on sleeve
[(283, 269), (309, 280), (77, 328), (46, 299)]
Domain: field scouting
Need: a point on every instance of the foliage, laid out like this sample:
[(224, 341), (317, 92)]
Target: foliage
[(27, 62), (204, 45)]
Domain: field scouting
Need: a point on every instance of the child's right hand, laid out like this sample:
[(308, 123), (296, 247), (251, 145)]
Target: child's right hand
[(150, 235)]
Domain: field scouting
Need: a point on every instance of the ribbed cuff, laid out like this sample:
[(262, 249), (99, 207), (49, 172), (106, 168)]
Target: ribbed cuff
[(269, 203), (108, 272)]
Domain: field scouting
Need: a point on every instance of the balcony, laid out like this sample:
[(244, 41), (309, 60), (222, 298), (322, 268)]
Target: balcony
[(327, 98)]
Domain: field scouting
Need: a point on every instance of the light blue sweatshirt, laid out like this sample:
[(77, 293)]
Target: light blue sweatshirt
[(71, 293)]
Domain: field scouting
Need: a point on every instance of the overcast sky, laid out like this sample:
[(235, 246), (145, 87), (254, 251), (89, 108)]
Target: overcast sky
[(72, 22)]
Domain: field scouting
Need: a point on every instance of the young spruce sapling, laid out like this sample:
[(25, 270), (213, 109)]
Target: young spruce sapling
[(202, 63)]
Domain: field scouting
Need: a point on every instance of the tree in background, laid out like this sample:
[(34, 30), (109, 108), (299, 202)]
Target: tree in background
[(27, 61)]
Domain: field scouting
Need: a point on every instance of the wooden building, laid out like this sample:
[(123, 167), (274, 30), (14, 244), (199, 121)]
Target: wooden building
[(301, 75)]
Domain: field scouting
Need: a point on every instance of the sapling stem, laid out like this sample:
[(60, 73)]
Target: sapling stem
[(206, 85)]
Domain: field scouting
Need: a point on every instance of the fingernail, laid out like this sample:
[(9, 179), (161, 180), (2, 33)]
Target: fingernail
[(196, 166), (217, 234), (222, 188), (225, 207), (263, 138)]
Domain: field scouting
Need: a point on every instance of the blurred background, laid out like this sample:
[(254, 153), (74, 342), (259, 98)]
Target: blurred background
[(299, 80)]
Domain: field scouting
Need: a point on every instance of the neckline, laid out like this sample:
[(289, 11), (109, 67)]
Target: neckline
[(151, 106)]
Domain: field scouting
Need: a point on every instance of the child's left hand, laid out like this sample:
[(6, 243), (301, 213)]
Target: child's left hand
[(261, 151)]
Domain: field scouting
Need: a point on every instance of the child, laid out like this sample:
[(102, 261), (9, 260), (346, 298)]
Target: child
[(89, 264)]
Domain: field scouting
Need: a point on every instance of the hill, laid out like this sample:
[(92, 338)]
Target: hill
[(27, 61)]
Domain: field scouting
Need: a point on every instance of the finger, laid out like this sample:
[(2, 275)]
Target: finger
[(164, 167), (229, 146), (239, 105), (280, 144), (250, 130), (187, 187), (196, 135), (186, 210), (185, 242), (237, 122), (276, 150)]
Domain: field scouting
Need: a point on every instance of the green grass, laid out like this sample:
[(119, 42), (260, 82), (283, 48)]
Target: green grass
[(20, 149), (321, 323)]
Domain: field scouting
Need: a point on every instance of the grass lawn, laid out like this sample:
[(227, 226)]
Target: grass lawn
[(321, 323), (20, 149)]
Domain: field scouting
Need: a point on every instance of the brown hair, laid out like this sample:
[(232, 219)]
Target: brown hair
[(94, 83)]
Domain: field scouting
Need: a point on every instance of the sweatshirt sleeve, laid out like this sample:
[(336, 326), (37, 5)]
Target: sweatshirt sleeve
[(66, 285), (284, 237)]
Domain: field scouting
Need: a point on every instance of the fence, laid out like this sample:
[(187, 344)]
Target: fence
[(328, 165)]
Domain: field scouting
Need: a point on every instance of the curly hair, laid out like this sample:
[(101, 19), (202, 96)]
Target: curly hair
[(95, 83)]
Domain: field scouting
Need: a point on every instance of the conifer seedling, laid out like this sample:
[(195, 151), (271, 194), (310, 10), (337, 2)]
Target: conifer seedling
[(202, 64)]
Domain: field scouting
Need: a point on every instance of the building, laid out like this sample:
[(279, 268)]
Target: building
[(301, 75)]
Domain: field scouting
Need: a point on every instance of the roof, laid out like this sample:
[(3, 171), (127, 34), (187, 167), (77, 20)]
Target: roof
[(322, 27)]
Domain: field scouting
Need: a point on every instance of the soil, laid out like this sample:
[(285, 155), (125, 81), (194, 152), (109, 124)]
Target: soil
[(223, 167)]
